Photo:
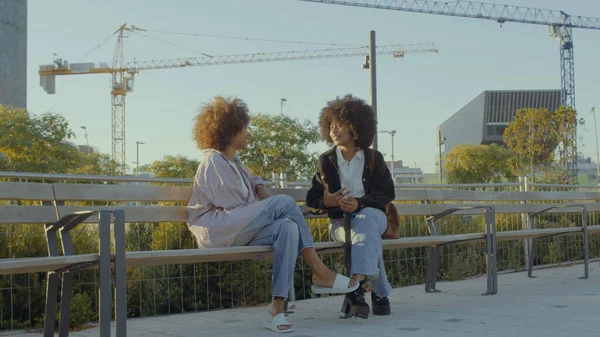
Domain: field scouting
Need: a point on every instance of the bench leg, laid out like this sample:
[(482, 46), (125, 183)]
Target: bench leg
[(67, 285), (433, 258), (585, 244), (347, 259), (50, 312), (491, 252), (531, 249), (51, 283), (105, 275), (65, 304), (120, 275)]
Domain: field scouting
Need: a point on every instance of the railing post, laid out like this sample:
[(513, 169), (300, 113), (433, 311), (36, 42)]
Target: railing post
[(524, 187), (283, 180), (275, 179)]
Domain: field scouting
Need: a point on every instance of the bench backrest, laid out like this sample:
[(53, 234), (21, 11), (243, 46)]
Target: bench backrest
[(149, 201), (37, 193)]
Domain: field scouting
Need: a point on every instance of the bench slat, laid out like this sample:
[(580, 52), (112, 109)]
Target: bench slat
[(536, 233), (447, 195), (27, 214), (298, 194), (184, 256), (130, 192), (26, 191), (510, 208), (43, 264), (593, 229), (134, 213)]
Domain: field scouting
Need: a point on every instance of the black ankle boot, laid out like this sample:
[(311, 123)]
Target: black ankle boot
[(355, 304), (381, 305)]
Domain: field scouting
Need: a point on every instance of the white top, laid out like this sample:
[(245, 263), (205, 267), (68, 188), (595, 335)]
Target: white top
[(351, 172), (239, 174)]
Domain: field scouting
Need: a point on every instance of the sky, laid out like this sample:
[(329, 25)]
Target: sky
[(415, 93)]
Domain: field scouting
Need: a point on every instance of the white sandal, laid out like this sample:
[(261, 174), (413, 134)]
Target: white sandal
[(279, 320), (340, 286)]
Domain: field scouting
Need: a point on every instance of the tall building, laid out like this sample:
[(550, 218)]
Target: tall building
[(13, 53), (484, 119)]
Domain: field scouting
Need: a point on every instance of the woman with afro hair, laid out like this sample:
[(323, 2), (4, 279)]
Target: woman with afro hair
[(230, 207), (352, 178)]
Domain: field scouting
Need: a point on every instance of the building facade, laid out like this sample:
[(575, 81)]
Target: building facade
[(484, 119), (13, 53)]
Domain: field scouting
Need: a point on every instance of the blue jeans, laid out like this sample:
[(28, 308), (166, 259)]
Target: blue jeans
[(282, 226), (367, 226)]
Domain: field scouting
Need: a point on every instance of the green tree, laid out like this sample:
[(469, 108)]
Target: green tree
[(543, 141), (172, 167), (95, 163), (478, 164), (35, 143), (280, 143)]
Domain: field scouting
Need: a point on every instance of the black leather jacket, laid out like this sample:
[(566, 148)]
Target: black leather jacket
[(377, 181)]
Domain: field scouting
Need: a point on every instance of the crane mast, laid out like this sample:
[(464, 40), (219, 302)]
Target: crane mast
[(559, 23)]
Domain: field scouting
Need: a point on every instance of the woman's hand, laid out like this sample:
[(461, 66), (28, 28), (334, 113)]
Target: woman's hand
[(333, 199), (262, 192), (349, 204)]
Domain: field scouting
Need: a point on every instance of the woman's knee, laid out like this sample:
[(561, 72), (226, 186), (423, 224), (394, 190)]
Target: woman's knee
[(285, 203), (370, 213), (370, 220), (289, 230)]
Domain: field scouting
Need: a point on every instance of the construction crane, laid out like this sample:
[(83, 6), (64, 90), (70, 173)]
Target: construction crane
[(123, 74), (560, 27)]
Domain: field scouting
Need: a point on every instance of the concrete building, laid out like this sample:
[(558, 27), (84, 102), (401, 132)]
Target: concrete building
[(405, 174), (483, 120), (87, 149), (13, 53)]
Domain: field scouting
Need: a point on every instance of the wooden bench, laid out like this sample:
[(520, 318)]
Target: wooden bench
[(54, 211), (45, 212)]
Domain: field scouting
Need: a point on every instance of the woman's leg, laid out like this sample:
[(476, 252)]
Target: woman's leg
[(367, 226), (283, 206), (282, 235), (367, 254), (283, 226)]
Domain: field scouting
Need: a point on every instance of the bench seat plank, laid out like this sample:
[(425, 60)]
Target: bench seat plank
[(43, 264), (184, 256), (536, 233)]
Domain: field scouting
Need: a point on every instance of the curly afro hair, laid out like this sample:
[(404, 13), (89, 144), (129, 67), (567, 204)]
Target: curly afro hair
[(219, 121), (353, 113)]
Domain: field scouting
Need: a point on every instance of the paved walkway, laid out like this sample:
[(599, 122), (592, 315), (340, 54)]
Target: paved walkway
[(556, 304)]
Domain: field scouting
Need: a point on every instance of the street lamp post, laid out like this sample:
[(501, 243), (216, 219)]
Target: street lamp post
[(87, 142), (441, 140), (371, 64), (392, 133), (281, 102), (137, 163), (416, 179), (593, 111)]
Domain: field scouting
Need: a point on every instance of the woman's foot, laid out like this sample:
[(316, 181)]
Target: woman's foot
[(277, 307), (326, 277), (381, 305), (354, 303)]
